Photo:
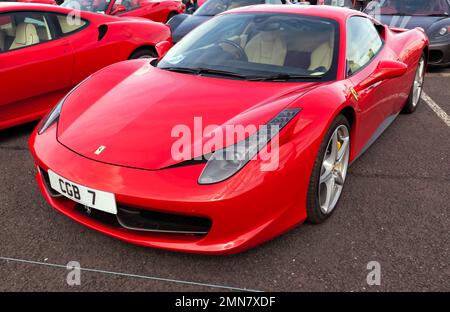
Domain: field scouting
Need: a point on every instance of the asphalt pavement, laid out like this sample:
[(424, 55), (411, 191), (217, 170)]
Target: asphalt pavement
[(395, 210)]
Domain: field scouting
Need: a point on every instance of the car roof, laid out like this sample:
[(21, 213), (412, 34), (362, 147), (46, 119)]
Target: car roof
[(325, 11), (21, 6)]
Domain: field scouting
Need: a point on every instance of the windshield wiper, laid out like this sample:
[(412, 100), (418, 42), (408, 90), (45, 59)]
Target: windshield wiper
[(284, 77), (218, 72), (181, 69), (202, 71)]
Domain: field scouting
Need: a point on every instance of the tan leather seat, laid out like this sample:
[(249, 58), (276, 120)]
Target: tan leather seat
[(267, 47), (26, 35), (42, 34), (67, 27), (2, 40), (322, 56)]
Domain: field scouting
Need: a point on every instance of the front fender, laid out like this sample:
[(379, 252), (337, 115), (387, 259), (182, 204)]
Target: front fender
[(320, 106)]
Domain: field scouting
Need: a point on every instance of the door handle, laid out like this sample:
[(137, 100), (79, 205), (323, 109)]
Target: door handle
[(66, 47)]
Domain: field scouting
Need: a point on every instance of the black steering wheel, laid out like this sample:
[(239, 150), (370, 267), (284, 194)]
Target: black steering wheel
[(241, 55)]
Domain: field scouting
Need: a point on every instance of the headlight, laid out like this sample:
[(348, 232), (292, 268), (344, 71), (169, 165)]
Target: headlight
[(226, 162), (53, 116), (443, 31)]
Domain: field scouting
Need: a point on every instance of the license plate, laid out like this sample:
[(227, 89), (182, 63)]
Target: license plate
[(93, 198)]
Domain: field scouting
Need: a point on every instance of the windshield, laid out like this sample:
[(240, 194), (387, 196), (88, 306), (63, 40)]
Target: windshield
[(259, 46), (408, 7), (214, 7), (97, 6)]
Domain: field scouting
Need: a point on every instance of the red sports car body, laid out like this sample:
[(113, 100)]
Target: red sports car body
[(156, 10), (43, 54), (324, 81)]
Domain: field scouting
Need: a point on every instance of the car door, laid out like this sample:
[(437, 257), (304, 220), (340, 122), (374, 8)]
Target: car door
[(95, 43), (83, 38), (35, 64), (377, 104)]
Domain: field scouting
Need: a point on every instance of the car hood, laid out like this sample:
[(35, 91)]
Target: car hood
[(188, 24), (411, 22), (135, 111)]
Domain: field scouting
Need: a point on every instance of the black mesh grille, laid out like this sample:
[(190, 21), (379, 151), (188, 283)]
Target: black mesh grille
[(98, 215), (144, 220)]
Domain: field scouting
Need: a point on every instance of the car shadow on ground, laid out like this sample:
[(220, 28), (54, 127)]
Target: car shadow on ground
[(17, 132)]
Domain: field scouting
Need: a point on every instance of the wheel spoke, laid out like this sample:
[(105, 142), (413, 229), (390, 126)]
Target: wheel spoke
[(330, 186), (343, 150), (422, 68), (339, 179), (326, 172), (334, 147)]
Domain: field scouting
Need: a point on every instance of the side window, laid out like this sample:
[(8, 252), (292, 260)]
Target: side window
[(363, 43), (22, 29), (275, 2), (70, 24)]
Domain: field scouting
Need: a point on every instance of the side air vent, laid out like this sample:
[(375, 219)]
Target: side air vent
[(102, 29)]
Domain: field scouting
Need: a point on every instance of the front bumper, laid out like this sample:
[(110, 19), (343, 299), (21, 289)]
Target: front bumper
[(248, 209), (439, 54)]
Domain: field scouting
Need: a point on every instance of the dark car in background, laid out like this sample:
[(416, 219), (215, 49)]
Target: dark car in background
[(431, 15), (339, 3), (183, 23), (351, 4)]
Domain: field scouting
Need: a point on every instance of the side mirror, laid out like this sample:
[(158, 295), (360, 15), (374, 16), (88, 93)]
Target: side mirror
[(385, 70), (117, 8), (162, 48)]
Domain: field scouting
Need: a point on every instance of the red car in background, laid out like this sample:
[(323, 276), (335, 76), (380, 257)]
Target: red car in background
[(45, 52), (156, 10)]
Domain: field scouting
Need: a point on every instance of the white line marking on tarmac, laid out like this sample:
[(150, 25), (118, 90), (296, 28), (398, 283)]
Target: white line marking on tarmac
[(130, 275), (436, 108)]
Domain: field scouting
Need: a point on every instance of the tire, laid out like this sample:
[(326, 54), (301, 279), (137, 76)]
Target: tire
[(316, 196), (171, 14), (143, 53), (416, 88)]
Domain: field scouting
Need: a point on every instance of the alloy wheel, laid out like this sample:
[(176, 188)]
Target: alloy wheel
[(334, 169), (418, 82)]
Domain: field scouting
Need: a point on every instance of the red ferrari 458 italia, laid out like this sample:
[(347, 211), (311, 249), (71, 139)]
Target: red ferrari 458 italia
[(46, 50), (243, 130), (156, 10)]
